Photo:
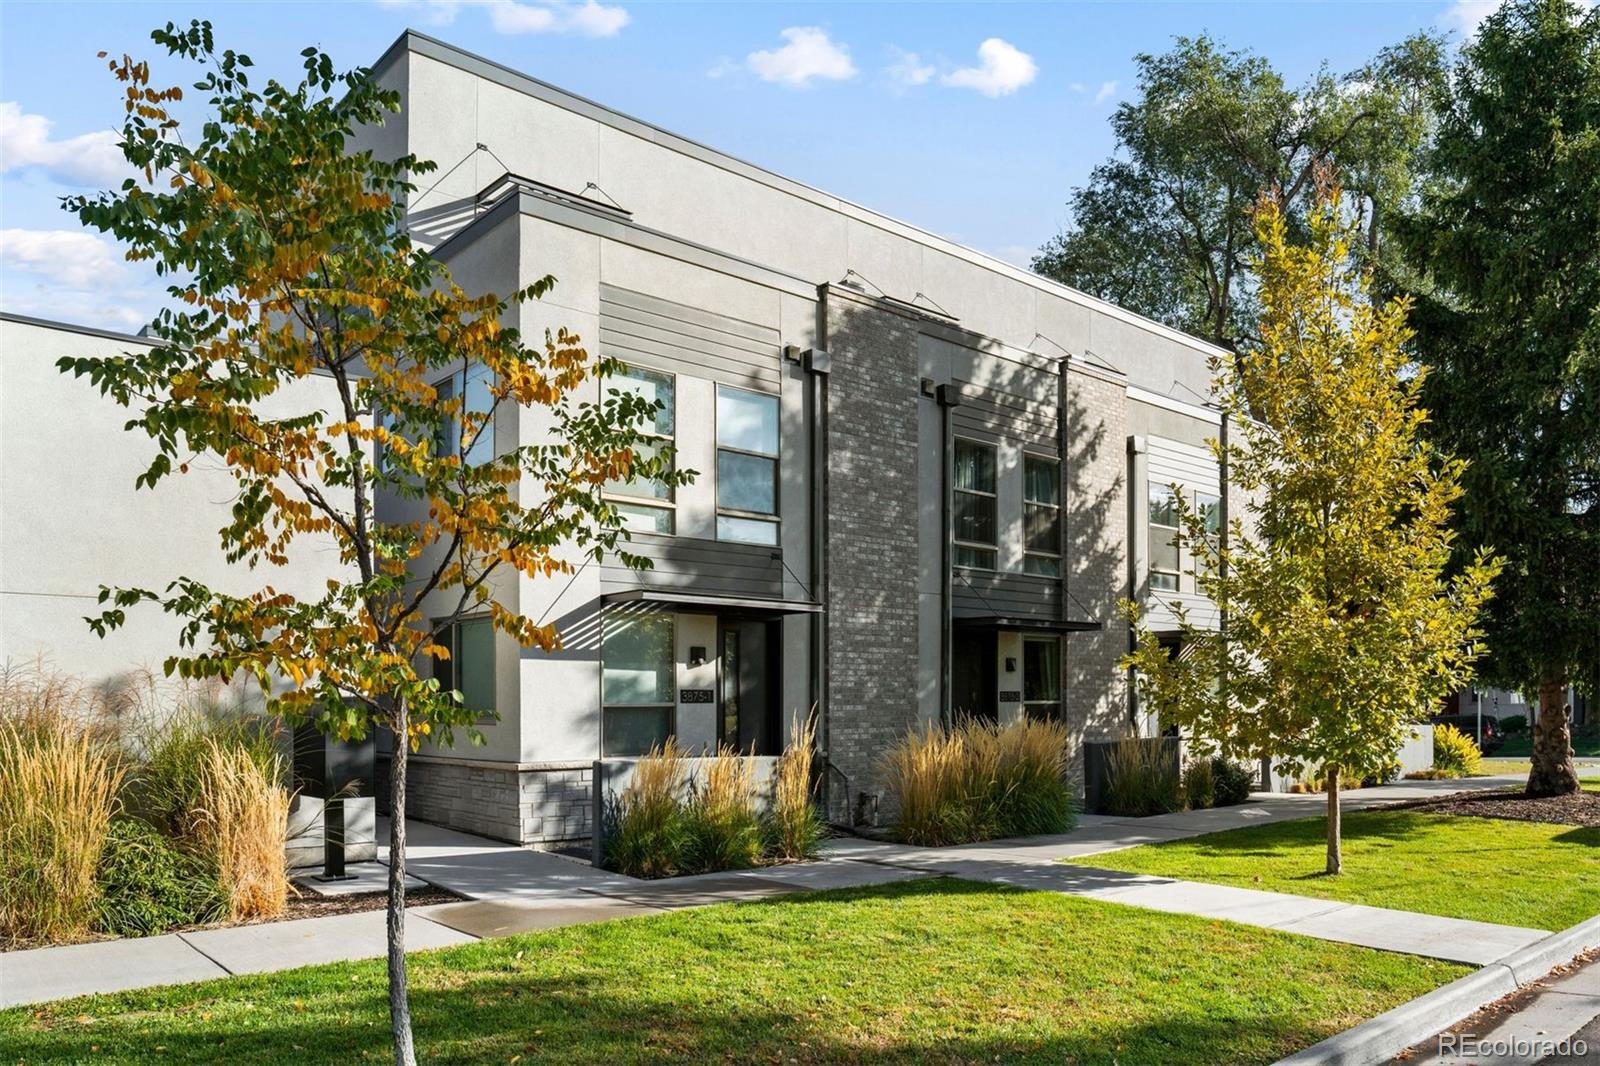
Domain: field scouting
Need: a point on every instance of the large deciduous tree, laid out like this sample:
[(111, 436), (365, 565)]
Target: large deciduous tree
[(1163, 228), (296, 287), (1507, 245), (1340, 627)]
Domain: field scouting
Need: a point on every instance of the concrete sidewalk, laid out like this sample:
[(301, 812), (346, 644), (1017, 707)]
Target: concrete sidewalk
[(511, 889)]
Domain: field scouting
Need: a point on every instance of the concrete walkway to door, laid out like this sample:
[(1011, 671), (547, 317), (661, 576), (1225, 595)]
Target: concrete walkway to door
[(510, 889)]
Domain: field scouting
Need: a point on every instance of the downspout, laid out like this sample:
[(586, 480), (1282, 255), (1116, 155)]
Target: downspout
[(946, 396)]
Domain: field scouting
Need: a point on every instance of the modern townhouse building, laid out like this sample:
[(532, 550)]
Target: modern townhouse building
[(925, 477)]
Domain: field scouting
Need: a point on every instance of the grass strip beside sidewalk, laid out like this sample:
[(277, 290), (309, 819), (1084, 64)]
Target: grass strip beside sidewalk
[(928, 971)]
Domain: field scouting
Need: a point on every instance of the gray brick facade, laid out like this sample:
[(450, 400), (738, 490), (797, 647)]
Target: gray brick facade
[(872, 513), (1094, 689)]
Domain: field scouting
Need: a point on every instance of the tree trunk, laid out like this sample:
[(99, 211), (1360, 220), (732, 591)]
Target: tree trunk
[(405, 1053), (1553, 772), (1335, 855)]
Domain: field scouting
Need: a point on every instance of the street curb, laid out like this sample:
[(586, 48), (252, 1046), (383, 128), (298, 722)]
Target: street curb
[(1384, 1037)]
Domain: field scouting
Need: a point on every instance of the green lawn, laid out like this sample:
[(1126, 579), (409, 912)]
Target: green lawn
[(1488, 869), (1521, 746), (1588, 773), (942, 971)]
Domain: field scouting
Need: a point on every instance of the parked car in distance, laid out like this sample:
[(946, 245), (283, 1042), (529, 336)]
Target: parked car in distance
[(1492, 737)]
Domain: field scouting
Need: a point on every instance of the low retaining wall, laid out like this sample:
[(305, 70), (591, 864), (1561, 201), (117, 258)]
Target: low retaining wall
[(524, 803), (610, 777)]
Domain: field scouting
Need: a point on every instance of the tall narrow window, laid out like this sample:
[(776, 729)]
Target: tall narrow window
[(975, 505), (1041, 516), (478, 436), (1041, 678), (1163, 539), (637, 693), (470, 668), (747, 466), (1210, 508), (647, 504)]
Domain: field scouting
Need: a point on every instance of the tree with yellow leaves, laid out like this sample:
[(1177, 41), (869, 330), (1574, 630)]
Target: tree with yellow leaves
[(1340, 627), (293, 262)]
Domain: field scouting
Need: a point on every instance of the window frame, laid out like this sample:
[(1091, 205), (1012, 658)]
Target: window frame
[(669, 505), (775, 518), (1053, 559), (452, 641), (1150, 538), (607, 707), (957, 544), (459, 381), (1055, 705)]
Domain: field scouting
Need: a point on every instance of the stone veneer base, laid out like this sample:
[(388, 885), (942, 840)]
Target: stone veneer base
[(548, 803)]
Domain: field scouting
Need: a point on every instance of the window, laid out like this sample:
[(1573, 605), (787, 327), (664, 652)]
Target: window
[(1210, 508), (975, 505), (470, 668), (1041, 516), (747, 466), (1163, 539), (646, 504), (474, 382), (1041, 678), (637, 691)]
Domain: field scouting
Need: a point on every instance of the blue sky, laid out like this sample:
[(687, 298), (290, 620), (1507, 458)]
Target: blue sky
[(972, 120)]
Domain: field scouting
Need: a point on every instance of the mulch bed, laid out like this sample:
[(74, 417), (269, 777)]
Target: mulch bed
[(1578, 808), (310, 905)]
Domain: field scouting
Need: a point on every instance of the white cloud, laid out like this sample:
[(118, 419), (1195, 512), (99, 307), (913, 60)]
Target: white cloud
[(1107, 90), (807, 55), (908, 70), (1465, 16), (72, 257), (88, 159), (1002, 68), (587, 19)]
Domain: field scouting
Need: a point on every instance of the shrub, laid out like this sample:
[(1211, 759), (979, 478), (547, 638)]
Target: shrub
[(1454, 753), (1200, 784), (647, 831), (1141, 779), (721, 829), (978, 781), (794, 826), (242, 820), (148, 886), (58, 791), (1514, 723), (1234, 781), (1032, 793)]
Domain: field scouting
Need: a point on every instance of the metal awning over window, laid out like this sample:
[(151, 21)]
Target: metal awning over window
[(1037, 625), (746, 606)]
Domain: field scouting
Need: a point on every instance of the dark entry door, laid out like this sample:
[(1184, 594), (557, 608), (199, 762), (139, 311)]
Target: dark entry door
[(973, 675), (748, 708)]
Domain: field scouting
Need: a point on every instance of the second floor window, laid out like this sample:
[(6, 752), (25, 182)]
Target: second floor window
[(747, 466), (646, 504), (1163, 539), (1041, 516), (478, 404), (975, 505)]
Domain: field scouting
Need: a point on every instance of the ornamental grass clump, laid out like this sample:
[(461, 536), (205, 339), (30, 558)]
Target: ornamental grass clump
[(1454, 753), (794, 826), (1141, 779), (242, 824), (58, 793), (648, 833), (979, 780), (721, 828)]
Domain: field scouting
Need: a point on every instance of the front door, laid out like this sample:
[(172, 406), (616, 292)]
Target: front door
[(973, 674), (747, 716)]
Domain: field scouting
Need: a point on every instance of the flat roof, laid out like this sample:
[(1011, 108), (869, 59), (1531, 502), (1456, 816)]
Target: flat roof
[(422, 44), (73, 327)]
